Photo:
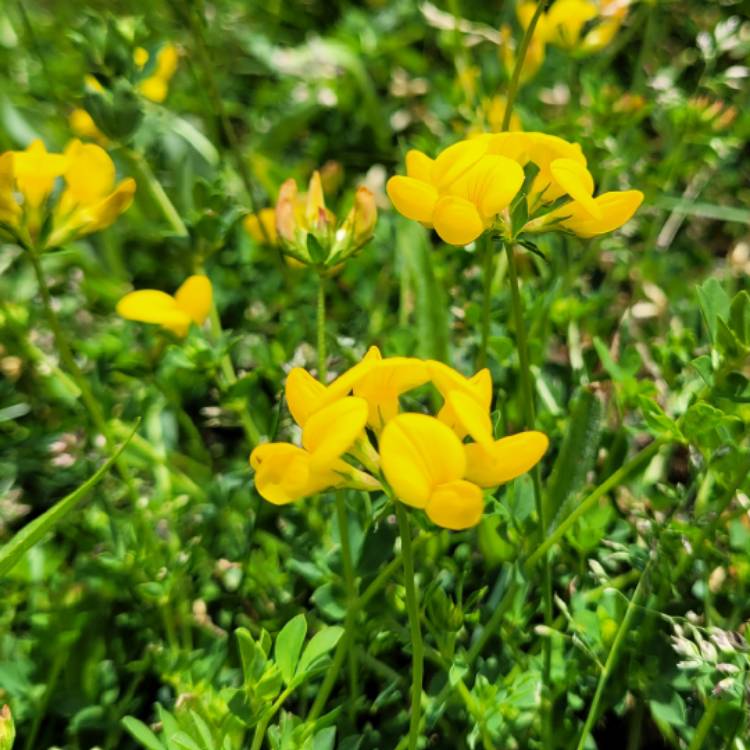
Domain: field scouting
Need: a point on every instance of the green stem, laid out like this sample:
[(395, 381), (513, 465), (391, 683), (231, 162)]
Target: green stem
[(321, 329), (614, 480), (612, 658), (527, 402), (252, 433), (417, 647), (156, 191), (351, 597), (87, 396), (217, 103), (381, 579), (262, 726), (488, 271), (518, 67)]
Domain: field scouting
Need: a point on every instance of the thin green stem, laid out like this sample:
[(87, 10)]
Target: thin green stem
[(87, 396), (262, 726), (518, 67), (527, 402), (207, 65), (417, 646), (321, 330), (374, 588), (252, 433), (147, 178), (488, 271), (612, 657), (614, 480), (351, 597), (704, 725)]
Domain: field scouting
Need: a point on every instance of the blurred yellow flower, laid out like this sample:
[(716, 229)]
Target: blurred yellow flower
[(156, 86), (191, 303), (88, 202), (262, 226), (83, 125), (426, 461)]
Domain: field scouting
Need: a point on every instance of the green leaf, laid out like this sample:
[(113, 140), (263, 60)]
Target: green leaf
[(288, 646), (33, 532), (659, 423), (140, 732), (317, 252), (320, 644), (251, 655), (578, 451), (185, 742), (324, 739), (714, 302)]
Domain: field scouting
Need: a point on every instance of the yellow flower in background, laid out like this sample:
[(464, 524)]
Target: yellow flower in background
[(262, 226), (156, 86), (438, 464), (83, 125), (308, 231), (191, 303), (535, 52), (468, 188), (88, 202), (493, 111)]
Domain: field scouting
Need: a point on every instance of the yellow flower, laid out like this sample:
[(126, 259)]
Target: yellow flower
[(262, 226), (156, 86), (307, 230), (140, 57), (82, 124), (460, 193), (426, 461), (614, 209), (90, 200), (191, 303)]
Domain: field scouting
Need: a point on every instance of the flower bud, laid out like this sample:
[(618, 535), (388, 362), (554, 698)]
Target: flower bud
[(7, 729)]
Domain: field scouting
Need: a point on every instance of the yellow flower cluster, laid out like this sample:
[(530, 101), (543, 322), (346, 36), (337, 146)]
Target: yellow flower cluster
[(155, 87), (33, 213), (470, 186), (191, 303), (439, 464)]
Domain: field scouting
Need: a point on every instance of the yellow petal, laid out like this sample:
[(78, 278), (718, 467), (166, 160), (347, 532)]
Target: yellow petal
[(345, 382), (35, 170), (140, 56), (457, 220), (154, 88), (491, 184), (255, 224), (574, 179), (419, 165), (471, 417), (82, 123), (331, 431), (456, 505), (287, 220), (166, 62), (417, 454), (153, 306), (446, 380), (90, 172), (507, 459), (303, 393), (315, 208), (453, 162), (194, 298), (565, 19), (284, 473), (100, 215), (384, 383), (616, 209), (412, 198), (515, 146)]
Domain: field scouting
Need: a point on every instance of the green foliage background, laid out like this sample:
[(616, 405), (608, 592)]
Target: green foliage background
[(130, 608)]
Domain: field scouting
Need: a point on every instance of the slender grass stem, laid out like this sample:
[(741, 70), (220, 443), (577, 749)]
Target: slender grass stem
[(351, 596), (527, 402), (612, 657), (417, 646), (488, 271), (203, 58), (518, 67), (262, 726), (87, 395), (614, 480), (155, 189), (704, 725), (321, 330)]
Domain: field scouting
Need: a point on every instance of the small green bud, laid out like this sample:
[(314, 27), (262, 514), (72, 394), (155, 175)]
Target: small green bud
[(7, 729)]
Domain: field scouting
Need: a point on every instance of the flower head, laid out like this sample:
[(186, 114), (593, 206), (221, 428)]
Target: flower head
[(89, 201), (191, 303), (308, 231), (354, 434), (470, 186), (155, 86)]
